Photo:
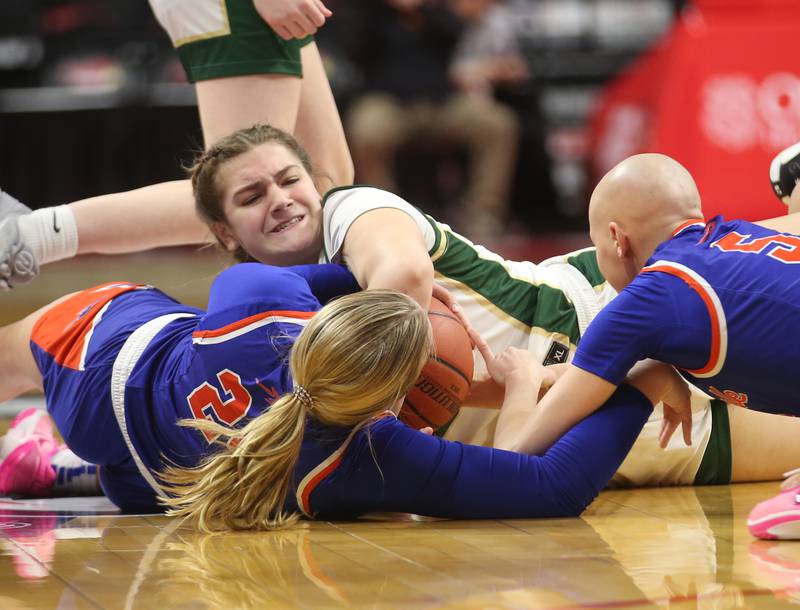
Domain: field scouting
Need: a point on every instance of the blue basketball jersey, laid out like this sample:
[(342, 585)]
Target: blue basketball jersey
[(122, 363), (720, 301)]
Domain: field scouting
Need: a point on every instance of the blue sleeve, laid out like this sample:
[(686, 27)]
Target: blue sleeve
[(657, 316), (251, 288), (627, 330), (327, 281), (402, 470)]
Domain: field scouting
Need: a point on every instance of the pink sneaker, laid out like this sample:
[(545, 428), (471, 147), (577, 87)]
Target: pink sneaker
[(25, 452), (777, 518)]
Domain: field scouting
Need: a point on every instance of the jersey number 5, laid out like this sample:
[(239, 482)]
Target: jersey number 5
[(786, 247), (206, 402)]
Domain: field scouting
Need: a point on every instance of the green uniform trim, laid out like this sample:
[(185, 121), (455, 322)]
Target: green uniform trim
[(532, 305), (716, 467), (247, 46), (585, 261)]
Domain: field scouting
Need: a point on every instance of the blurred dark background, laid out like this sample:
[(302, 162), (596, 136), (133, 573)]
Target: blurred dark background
[(93, 100)]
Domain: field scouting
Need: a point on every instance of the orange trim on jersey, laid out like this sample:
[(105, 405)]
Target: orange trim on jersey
[(327, 466), (689, 223), (239, 324), (64, 330), (718, 330)]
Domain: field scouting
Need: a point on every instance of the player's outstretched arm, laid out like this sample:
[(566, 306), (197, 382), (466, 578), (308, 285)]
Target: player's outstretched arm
[(579, 393), (384, 248), (150, 217), (574, 396), (141, 219), (402, 470)]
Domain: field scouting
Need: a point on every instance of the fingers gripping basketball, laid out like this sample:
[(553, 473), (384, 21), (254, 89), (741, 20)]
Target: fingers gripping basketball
[(445, 380)]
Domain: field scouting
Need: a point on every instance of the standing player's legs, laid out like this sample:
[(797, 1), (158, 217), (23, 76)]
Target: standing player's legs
[(244, 74), (319, 126), (302, 106), (257, 98)]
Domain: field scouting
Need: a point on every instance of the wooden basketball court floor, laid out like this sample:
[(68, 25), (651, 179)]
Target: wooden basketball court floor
[(669, 548)]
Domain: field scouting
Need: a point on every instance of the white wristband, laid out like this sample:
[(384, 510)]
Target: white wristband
[(50, 233)]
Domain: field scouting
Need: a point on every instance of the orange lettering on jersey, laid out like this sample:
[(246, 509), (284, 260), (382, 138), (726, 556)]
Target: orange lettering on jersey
[(735, 398), (785, 248), (206, 403), (272, 393)]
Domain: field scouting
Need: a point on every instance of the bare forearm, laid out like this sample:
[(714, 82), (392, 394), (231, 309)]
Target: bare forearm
[(518, 409), (384, 248), (150, 217), (485, 394), (574, 396), (415, 281)]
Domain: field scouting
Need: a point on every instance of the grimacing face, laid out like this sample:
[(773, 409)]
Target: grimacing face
[(272, 207)]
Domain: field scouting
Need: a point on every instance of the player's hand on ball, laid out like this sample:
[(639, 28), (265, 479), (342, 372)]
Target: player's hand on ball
[(441, 293)]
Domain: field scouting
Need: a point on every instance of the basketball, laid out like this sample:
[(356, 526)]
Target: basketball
[(445, 380)]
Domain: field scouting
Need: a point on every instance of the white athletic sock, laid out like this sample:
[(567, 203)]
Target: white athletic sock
[(74, 476), (50, 233)]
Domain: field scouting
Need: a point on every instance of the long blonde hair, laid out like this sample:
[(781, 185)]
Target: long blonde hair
[(356, 358)]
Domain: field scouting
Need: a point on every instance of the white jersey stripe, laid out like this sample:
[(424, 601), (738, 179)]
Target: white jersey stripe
[(87, 337), (317, 474), (246, 329), (123, 366)]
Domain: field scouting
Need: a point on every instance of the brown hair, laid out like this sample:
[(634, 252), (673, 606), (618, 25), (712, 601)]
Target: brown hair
[(204, 171), (356, 358)]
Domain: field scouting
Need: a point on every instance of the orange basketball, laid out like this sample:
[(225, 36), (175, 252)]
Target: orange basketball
[(444, 383)]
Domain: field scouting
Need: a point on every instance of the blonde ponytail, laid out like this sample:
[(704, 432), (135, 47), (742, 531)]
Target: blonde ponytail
[(356, 358), (242, 488)]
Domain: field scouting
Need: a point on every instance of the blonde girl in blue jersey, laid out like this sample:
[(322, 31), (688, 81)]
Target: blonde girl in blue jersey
[(352, 365), (331, 447)]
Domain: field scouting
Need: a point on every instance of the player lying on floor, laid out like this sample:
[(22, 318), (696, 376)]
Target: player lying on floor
[(256, 190), (199, 410), (719, 300)]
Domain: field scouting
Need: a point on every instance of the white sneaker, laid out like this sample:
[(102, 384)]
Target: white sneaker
[(17, 263), (784, 172)]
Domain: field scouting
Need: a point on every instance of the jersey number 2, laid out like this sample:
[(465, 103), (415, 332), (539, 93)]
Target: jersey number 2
[(206, 402)]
